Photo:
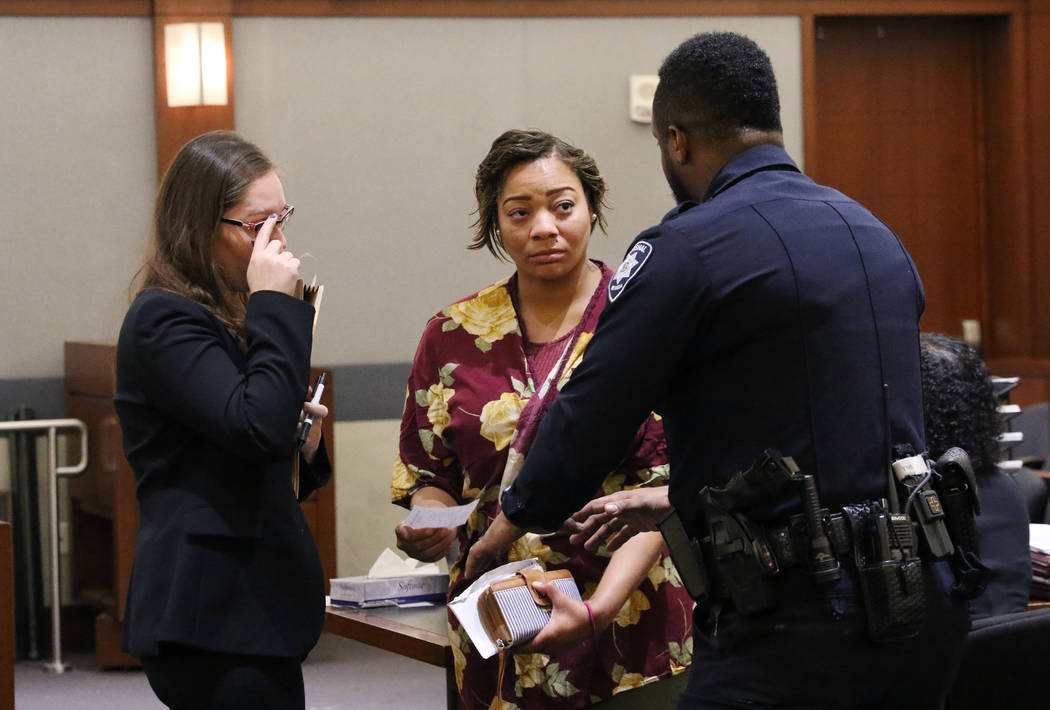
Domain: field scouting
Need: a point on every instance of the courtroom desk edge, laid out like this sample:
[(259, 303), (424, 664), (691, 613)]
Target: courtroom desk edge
[(374, 629)]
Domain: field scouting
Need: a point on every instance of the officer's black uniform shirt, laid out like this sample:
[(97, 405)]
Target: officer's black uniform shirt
[(772, 314)]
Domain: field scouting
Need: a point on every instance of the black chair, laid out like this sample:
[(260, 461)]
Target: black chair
[(1034, 423), (1004, 663), (1035, 492)]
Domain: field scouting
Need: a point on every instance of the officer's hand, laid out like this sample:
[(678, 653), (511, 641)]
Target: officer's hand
[(569, 626), (491, 548), (615, 518)]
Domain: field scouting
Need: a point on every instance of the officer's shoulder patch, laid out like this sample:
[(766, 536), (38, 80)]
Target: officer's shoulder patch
[(631, 265)]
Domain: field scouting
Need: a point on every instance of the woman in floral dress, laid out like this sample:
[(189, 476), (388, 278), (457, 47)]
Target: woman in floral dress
[(486, 370)]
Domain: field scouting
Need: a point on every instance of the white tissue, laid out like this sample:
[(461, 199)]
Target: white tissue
[(390, 564)]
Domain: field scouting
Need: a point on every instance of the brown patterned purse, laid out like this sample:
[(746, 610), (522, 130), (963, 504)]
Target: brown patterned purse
[(512, 612)]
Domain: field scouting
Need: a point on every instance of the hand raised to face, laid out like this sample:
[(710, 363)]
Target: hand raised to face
[(272, 267)]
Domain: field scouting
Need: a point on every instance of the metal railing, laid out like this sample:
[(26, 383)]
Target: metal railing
[(55, 665)]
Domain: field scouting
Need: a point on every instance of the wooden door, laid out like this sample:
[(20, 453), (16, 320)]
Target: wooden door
[(899, 117)]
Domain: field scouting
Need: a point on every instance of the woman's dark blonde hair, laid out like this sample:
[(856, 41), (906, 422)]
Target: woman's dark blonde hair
[(208, 177), (512, 149)]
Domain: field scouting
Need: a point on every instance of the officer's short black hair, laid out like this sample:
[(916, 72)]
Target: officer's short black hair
[(960, 408), (716, 83)]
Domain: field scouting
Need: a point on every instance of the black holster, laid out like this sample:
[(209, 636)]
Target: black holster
[(957, 486)]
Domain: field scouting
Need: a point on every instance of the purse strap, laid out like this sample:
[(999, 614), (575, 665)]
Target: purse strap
[(536, 575), (502, 667)]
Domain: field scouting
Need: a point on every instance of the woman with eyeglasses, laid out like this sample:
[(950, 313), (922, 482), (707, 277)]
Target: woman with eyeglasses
[(487, 369), (227, 593)]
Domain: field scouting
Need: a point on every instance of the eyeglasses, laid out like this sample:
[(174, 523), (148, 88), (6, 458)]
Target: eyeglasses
[(282, 221)]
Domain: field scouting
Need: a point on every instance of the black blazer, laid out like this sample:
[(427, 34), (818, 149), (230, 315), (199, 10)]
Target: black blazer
[(224, 560)]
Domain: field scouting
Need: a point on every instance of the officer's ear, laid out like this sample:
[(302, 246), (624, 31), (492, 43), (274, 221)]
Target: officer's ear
[(677, 145)]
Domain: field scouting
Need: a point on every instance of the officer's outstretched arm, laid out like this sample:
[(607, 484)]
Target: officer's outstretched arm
[(634, 364), (616, 518)]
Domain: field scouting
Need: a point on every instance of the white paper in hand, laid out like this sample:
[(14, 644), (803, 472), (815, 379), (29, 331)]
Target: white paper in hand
[(465, 606), (420, 517)]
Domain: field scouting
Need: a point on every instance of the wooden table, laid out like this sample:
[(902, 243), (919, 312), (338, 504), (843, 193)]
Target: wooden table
[(415, 632)]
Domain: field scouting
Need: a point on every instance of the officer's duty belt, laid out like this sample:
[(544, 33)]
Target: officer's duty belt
[(790, 543)]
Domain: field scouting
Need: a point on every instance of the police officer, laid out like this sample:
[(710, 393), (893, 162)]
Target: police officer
[(763, 311)]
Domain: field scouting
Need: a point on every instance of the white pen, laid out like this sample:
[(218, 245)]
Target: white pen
[(309, 420)]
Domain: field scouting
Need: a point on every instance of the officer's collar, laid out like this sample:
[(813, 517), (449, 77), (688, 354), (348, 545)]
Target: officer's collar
[(743, 165), (740, 167)]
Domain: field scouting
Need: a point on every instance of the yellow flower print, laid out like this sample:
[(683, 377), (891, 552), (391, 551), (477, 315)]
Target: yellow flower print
[(664, 571), (575, 357), (681, 655), (529, 667), (468, 492), (438, 397), (515, 460), (489, 315), (459, 659), (477, 523), (499, 419), (632, 609), (531, 545), (628, 681), (631, 680), (500, 704), (403, 482), (613, 483), (659, 475), (535, 670)]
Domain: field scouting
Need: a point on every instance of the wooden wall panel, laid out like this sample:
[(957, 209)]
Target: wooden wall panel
[(618, 8), (133, 8), (898, 130), (809, 94), (1039, 155), (1011, 296), (520, 8), (1035, 378), (175, 126)]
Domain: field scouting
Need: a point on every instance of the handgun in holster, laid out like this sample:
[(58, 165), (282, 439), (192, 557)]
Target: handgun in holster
[(734, 549)]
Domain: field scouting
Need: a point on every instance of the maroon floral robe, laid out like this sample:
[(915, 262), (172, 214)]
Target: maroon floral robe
[(467, 390)]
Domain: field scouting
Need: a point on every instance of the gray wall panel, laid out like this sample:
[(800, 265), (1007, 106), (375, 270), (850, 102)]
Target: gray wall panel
[(379, 123), (77, 184)]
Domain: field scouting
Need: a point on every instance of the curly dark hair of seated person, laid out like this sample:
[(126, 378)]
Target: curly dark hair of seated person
[(511, 149), (715, 84), (959, 404)]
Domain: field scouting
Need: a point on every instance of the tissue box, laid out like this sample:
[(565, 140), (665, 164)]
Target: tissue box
[(365, 592)]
